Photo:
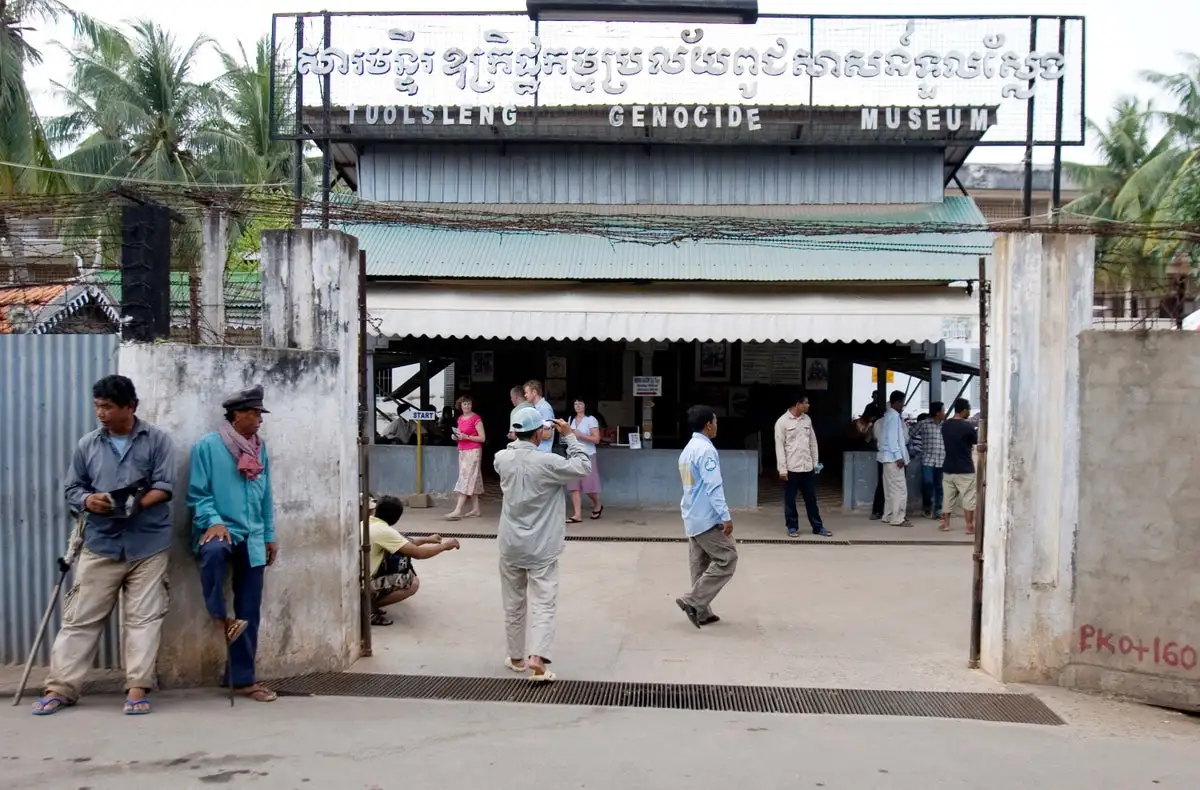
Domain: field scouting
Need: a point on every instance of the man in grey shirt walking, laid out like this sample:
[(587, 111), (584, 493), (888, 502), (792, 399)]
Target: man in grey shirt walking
[(532, 534), (121, 477)]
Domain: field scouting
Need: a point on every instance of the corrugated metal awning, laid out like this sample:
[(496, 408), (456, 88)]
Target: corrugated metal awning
[(649, 315), (656, 252)]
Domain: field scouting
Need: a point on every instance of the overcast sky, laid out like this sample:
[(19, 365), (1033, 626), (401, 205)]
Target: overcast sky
[(1123, 37)]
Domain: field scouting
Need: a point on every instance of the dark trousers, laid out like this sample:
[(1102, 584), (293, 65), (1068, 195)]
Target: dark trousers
[(931, 490), (877, 505), (805, 484), (216, 557)]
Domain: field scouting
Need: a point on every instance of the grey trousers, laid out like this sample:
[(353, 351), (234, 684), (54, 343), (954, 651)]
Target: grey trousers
[(713, 557), (532, 592)]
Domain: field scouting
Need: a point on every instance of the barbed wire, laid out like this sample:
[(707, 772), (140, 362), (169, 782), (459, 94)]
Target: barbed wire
[(651, 229), (61, 241)]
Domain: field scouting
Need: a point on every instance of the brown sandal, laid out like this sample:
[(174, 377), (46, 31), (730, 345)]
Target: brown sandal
[(258, 693), (234, 629)]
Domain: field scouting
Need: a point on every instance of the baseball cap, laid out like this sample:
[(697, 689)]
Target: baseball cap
[(526, 418)]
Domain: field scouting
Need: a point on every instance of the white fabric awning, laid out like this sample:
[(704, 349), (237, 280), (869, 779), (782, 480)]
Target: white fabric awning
[(646, 314)]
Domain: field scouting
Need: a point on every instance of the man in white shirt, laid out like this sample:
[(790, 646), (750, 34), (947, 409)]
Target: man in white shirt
[(797, 460), (532, 534), (893, 454), (533, 395)]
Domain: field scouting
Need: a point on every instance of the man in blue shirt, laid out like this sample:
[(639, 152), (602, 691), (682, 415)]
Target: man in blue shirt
[(229, 493), (121, 479), (893, 454), (706, 519), (535, 398)]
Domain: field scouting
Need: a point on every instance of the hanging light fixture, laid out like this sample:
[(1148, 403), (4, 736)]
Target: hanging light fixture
[(742, 12)]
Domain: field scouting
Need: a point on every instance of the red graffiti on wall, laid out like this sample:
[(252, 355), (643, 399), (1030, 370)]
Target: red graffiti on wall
[(1171, 654)]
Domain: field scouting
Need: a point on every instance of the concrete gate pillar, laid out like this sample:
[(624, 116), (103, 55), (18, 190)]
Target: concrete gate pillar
[(1041, 301), (308, 366)]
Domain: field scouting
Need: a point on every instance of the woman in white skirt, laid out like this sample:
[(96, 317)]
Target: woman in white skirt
[(587, 428), (470, 436)]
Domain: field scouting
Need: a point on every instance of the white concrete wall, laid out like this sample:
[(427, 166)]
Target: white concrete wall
[(309, 371), (309, 609), (1137, 598), (1041, 301)]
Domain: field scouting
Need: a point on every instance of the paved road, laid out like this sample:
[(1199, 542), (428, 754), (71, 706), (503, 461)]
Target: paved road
[(196, 741)]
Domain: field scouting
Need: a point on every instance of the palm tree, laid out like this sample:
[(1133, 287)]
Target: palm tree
[(22, 139), (250, 109), (1117, 190), (1181, 168), (135, 113)]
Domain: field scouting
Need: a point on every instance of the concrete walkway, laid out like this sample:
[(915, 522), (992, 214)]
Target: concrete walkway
[(757, 524), (858, 617)]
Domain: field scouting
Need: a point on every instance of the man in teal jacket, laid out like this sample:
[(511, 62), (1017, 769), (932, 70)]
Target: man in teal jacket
[(229, 493)]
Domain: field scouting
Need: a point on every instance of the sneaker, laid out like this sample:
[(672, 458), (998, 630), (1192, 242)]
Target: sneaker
[(793, 533), (904, 523), (927, 513), (876, 516), (822, 532)]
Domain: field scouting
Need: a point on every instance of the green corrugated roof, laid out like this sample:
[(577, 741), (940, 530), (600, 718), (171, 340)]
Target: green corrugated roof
[(243, 295), (422, 252)]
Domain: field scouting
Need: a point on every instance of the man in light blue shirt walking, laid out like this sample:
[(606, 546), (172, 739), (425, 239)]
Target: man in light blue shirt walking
[(706, 519), (893, 454)]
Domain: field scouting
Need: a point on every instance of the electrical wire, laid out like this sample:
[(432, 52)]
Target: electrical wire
[(138, 181)]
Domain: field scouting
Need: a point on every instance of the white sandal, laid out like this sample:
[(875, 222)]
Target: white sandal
[(514, 666), (543, 677)]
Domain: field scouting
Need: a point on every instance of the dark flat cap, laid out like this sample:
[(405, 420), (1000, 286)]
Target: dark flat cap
[(251, 398)]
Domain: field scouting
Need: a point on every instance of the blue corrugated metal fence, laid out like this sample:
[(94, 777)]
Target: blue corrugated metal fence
[(45, 406)]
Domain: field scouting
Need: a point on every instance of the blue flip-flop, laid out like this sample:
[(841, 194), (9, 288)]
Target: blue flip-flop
[(130, 710), (42, 706)]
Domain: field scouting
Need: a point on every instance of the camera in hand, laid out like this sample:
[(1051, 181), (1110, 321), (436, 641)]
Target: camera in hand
[(127, 501)]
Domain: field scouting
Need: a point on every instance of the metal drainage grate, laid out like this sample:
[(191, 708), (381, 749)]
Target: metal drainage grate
[(1014, 708), (742, 541)]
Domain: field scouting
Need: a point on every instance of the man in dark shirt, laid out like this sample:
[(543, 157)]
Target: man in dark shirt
[(121, 477), (958, 470)]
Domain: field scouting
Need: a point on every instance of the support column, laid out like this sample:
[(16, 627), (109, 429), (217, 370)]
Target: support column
[(214, 252), (1041, 301), (881, 382), (935, 380), (647, 404)]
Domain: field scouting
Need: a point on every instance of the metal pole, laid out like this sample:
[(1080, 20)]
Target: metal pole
[(298, 162), (980, 476), (1056, 189), (326, 153), (420, 487), (365, 410), (1027, 203)]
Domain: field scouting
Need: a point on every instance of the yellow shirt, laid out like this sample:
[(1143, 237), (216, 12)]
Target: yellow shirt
[(384, 540)]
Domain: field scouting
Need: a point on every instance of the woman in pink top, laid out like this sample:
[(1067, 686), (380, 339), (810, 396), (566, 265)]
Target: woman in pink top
[(470, 436)]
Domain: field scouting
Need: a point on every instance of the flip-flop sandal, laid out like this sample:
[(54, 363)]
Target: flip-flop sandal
[(136, 707), (473, 515), (514, 666), (597, 513), (379, 618), (259, 693), (543, 677), (48, 706), (452, 517), (234, 630), (573, 520)]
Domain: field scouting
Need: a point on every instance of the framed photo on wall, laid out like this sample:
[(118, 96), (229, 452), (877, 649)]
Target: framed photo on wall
[(483, 366), (712, 361), (556, 367), (816, 374)]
